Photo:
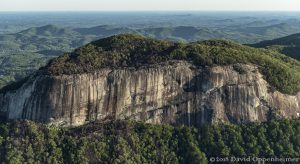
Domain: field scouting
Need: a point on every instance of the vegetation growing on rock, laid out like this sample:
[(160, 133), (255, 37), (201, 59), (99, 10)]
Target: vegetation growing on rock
[(130, 50)]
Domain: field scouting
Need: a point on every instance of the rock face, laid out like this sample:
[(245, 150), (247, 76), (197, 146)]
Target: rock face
[(176, 92)]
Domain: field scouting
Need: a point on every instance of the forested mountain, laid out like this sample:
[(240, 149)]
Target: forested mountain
[(55, 38), (39, 44), (158, 81), (136, 50), (289, 45), (143, 87)]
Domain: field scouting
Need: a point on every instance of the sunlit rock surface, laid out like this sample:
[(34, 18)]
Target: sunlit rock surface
[(176, 92)]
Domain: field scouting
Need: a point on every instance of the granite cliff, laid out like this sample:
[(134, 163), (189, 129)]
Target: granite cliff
[(174, 90)]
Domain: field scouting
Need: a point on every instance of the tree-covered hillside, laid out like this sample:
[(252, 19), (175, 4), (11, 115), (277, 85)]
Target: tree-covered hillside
[(289, 45), (49, 41), (49, 37), (133, 142), (130, 50), (17, 66)]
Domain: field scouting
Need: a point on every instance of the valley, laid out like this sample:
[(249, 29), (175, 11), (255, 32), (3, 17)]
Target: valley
[(25, 48)]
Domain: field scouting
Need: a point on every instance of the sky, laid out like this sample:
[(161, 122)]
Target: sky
[(150, 5)]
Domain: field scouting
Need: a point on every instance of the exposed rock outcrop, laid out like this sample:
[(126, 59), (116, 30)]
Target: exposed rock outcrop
[(176, 92)]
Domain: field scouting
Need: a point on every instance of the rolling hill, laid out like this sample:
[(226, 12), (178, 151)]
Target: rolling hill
[(103, 31), (49, 41), (183, 33), (35, 39), (289, 45)]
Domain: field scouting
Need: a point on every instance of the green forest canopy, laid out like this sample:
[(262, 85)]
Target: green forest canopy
[(135, 142), (126, 50), (288, 45)]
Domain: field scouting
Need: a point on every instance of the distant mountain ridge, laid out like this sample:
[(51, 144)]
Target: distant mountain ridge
[(52, 37), (183, 33), (36, 45), (103, 30), (48, 30)]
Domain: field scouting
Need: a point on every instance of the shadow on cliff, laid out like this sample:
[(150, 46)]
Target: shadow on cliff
[(198, 83), (197, 119), (3, 117), (189, 104)]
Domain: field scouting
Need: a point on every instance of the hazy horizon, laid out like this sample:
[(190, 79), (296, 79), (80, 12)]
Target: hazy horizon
[(153, 5)]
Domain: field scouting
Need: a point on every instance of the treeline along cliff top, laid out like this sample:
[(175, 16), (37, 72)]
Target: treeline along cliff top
[(129, 50)]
